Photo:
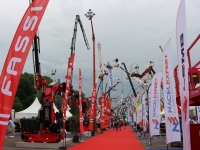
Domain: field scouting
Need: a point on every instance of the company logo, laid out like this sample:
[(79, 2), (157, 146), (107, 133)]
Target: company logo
[(168, 89), (155, 121), (155, 96), (174, 121), (183, 59), (12, 63)]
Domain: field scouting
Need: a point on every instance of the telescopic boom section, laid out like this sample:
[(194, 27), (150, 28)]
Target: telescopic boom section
[(128, 74), (39, 81), (78, 20)]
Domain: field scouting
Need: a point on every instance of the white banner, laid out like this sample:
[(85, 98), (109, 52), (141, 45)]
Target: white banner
[(183, 73), (144, 118), (139, 112), (171, 112), (154, 106), (110, 76), (198, 113)]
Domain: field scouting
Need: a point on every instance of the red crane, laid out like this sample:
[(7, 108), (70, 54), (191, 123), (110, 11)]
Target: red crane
[(44, 128)]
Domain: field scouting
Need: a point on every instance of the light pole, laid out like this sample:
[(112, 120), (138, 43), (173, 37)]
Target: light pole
[(90, 15)]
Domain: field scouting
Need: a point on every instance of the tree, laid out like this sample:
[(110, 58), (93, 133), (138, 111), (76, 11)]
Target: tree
[(48, 79), (26, 92), (17, 105)]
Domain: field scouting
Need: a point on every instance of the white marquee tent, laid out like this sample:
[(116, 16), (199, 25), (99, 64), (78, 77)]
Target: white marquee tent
[(32, 111)]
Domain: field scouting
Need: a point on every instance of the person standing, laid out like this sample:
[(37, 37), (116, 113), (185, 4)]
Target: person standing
[(12, 127)]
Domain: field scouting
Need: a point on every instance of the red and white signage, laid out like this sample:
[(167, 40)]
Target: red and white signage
[(103, 111), (172, 123), (154, 105), (15, 60), (92, 108), (68, 83), (80, 101)]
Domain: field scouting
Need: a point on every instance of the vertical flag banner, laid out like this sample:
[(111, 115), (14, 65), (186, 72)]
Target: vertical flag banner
[(139, 112), (15, 60), (65, 98), (68, 80), (80, 102), (172, 123), (102, 121), (183, 73), (92, 108), (110, 76), (144, 118), (154, 111), (198, 113)]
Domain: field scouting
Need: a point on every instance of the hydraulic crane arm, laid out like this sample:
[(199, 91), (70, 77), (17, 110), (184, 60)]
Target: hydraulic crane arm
[(128, 74), (39, 81), (78, 20), (149, 70)]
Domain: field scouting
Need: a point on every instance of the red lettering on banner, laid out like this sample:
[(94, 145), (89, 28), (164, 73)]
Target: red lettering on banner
[(155, 88), (166, 70)]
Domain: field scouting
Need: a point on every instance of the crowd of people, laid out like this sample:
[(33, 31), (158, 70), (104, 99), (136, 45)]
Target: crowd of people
[(118, 124)]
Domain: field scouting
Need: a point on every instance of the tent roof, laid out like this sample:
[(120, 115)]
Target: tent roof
[(35, 106)]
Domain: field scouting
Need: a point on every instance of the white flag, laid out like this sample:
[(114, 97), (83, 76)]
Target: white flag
[(171, 112), (154, 106), (110, 76), (144, 118), (139, 112), (183, 73), (198, 113)]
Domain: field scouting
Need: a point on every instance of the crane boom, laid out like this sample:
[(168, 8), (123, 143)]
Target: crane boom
[(78, 20)]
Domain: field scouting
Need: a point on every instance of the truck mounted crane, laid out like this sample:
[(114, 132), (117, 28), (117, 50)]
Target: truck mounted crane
[(43, 128)]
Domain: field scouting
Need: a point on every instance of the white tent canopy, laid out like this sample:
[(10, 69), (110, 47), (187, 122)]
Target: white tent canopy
[(32, 111)]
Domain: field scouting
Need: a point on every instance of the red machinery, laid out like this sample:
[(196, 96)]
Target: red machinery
[(194, 79), (43, 128), (194, 94)]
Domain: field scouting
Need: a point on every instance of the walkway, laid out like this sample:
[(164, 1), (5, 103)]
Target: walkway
[(111, 140)]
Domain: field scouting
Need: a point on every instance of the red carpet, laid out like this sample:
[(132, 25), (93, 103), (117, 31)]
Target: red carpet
[(111, 140)]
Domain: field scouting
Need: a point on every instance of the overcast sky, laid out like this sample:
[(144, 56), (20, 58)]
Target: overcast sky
[(130, 30)]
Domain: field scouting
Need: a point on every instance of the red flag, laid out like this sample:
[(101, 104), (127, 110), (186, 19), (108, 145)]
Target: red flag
[(68, 80), (92, 108), (15, 60), (80, 101), (102, 122), (68, 90)]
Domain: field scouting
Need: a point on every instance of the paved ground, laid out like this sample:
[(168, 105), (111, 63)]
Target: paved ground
[(158, 142)]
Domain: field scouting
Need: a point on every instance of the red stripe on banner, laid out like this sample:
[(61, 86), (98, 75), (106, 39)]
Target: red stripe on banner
[(15, 60), (80, 102)]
